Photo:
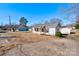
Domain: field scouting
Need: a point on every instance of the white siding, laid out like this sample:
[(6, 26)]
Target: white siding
[(65, 30), (33, 30), (52, 31)]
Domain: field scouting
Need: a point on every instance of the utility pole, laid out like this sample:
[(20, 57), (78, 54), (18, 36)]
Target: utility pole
[(10, 22)]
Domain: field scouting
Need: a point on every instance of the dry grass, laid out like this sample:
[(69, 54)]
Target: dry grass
[(27, 43), (26, 37), (20, 37)]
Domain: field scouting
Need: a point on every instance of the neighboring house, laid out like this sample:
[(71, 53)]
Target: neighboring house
[(67, 29), (49, 29), (23, 28), (15, 28)]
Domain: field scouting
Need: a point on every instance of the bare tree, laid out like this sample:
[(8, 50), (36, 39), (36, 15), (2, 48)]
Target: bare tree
[(55, 20), (71, 14), (46, 22)]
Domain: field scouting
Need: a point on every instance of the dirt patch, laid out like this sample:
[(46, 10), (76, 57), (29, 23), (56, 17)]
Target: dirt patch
[(46, 48), (4, 48)]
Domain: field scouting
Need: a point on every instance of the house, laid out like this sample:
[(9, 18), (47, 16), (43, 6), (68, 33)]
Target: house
[(67, 29), (39, 28), (15, 28), (23, 28), (49, 29)]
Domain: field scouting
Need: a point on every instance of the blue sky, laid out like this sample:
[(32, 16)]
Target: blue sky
[(33, 12)]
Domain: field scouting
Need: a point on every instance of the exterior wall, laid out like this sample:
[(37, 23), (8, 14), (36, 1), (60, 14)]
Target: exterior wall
[(65, 30), (33, 30), (52, 31)]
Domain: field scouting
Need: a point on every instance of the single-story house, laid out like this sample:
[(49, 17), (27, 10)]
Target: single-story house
[(23, 28), (15, 27), (67, 29), (49, 29)]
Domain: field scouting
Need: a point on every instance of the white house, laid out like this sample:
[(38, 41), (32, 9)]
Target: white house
[(49, 29), (66, 29)]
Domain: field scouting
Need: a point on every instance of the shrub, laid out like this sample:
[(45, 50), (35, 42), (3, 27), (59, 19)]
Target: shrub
[(77, 26), (58, 34)]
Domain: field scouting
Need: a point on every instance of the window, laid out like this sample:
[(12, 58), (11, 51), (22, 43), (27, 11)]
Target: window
[(36, 29)]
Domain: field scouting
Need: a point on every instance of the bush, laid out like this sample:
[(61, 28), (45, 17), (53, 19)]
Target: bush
[(58, 34), (77, 26)]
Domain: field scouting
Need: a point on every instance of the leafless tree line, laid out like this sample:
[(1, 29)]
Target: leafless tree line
[(72, 12)]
